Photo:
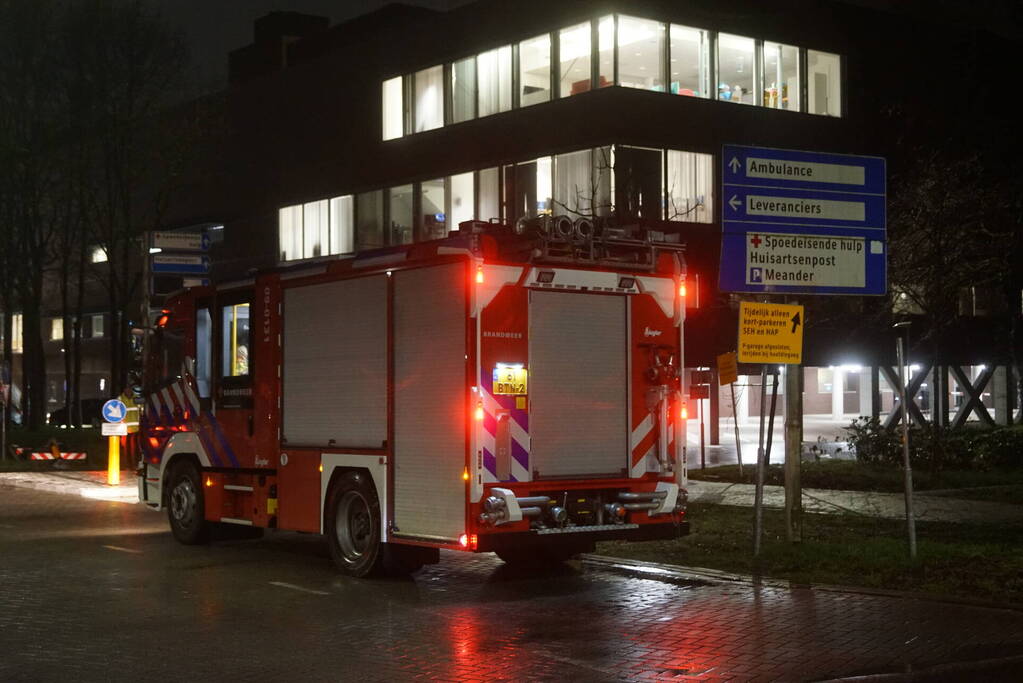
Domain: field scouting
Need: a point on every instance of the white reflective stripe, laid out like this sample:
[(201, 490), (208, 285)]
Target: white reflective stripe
[(193, 400), (165, 395), (642, 465), (519, 435), (640, 432), (177, 392), (518, 471)]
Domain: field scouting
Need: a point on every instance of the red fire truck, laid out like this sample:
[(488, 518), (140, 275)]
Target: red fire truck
[(513, 389)]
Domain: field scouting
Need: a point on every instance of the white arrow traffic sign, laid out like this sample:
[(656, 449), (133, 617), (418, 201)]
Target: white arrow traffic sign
[(114, 410)]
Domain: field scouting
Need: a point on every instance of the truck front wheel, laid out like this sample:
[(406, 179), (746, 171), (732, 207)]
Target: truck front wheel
[(353, 525), (186, 505)]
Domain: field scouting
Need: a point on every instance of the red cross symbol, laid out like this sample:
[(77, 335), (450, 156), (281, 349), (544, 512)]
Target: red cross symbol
[(756, 240)]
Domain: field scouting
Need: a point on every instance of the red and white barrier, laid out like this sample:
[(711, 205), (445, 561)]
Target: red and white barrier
[(63, 456)]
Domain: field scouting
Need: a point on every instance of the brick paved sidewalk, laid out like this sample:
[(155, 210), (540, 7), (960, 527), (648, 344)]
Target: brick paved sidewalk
[(927, 508)]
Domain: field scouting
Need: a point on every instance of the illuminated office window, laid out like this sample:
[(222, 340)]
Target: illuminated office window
[(494, 71), (689, 62), (689, 192), (429, 103), (393, 108), (574, 59), (463, 90), (781, 76), (823, 83), (736, 67), (535, 70), (641, 53)]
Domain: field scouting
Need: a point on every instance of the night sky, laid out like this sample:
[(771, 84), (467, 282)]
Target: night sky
[(215, 27)]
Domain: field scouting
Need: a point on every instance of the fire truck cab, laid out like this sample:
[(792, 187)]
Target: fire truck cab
[(514, 389)]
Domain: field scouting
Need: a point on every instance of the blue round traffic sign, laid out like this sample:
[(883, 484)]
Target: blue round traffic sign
[(114, 410)]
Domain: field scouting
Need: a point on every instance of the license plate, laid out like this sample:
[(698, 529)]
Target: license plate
[(509, 380)]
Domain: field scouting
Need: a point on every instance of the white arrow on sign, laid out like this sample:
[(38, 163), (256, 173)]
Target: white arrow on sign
[(734, 202), (734, 164)]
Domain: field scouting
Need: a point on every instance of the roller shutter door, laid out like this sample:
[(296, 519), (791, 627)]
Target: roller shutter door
[(430, 408), (577, 384), (335, 364)]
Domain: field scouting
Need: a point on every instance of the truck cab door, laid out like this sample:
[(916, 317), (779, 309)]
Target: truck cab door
[(233, 405)]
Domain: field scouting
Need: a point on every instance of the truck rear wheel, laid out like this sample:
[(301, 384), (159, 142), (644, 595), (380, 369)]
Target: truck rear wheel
[(186, 507), (352, 526)]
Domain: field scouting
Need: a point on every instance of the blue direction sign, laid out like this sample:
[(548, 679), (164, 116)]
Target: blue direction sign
[(802, 222), (114, 410), (181, 264)]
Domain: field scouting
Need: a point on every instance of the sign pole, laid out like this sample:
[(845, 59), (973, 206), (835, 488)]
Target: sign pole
[(113, 460), (758, 501), (735, 419), (703, 450), (793, 453)]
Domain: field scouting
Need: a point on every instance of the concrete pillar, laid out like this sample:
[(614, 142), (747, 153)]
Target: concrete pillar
[(867, 391), (837, 393), (1001, 394), (742, 399)]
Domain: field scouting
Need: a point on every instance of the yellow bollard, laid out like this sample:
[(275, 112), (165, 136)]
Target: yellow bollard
[(114, 461)]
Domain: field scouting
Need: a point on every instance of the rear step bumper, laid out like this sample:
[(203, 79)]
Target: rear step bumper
[(582, 535)]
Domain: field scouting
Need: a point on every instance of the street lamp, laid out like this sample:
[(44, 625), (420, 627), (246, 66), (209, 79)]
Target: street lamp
[(900, 352)]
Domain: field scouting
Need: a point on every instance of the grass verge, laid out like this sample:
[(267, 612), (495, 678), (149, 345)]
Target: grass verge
[(982, 562), (850, 475)]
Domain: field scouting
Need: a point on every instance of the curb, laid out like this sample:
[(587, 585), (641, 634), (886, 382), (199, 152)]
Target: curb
[(656, 570)]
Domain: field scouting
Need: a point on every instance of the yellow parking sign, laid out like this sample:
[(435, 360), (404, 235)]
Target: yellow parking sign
[(770, 333)]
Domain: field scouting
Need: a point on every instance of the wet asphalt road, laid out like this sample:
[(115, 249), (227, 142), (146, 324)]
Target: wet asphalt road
[(96, 591)]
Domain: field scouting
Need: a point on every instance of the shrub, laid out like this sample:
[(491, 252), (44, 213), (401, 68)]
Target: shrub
[(963, 448)]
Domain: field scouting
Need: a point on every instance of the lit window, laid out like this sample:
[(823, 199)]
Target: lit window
[(640, 53), (606, 51), (315, 228), (400, 214), (494, 71), (823, 79), (573, 184), (690, 187), (16, 333), (463, 90), (489, 193), (342, 225), (735, 69), (535, 70), (235, 334), (98, 255), (574, 56), (289, 232), (781, 76), (429, 104), (393, 108), (689, 63), (461, 200), (96, 326), (433, 220), (56, 329)]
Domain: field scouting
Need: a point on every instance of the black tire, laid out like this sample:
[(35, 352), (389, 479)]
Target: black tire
[(352, 526), (186, 505)]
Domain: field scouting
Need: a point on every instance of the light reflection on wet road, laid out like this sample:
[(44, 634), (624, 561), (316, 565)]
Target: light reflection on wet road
[(273, 609)]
